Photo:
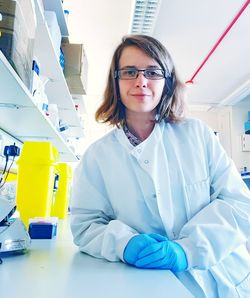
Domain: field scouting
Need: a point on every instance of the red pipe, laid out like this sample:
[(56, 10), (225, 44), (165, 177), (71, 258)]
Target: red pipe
[(219, 41)]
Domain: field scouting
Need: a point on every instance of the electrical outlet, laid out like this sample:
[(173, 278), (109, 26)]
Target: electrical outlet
[(245, 142)]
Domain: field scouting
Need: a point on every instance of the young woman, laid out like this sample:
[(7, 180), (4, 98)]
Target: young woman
[(159, 191)]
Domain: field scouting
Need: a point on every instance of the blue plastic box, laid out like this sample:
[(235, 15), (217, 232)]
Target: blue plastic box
[(42, 230)]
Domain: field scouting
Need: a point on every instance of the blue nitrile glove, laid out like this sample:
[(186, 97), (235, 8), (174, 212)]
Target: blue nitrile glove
[(164, 254), (135, 245)]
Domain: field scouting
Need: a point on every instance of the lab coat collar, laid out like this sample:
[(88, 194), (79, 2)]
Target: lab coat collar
[(152, 139)]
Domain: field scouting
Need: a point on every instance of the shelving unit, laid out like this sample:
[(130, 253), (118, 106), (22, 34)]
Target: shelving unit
[(56, 6), (19, 114), (56, 89), (20, 117), (79, 100)]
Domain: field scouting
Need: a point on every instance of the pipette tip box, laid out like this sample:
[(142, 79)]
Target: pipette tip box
[(40, 228)]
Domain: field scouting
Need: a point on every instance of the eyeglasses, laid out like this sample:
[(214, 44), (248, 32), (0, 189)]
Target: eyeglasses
[(133, 73)]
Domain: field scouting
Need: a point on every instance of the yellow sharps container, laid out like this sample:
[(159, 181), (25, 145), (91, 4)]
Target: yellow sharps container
[(61, 200), (35, 179)]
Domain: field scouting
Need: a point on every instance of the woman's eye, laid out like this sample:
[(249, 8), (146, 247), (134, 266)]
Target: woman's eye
[(152, 73), (129, 73)]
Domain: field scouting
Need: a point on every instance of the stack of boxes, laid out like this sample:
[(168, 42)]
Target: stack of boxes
[(17, 35)]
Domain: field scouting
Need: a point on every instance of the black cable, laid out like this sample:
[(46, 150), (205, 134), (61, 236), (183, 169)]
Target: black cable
[(6, 162), (7, 173), (5, 167), (13, 152)]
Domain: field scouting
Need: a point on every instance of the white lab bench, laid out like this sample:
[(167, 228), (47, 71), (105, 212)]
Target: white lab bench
[(56, 269)]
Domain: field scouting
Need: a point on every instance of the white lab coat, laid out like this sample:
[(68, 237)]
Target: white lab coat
[(180, 183)]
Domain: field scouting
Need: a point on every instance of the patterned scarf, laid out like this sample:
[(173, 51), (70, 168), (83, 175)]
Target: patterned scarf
[(132, 139)]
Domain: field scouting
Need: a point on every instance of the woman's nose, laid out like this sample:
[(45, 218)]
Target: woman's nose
[(141, 81)]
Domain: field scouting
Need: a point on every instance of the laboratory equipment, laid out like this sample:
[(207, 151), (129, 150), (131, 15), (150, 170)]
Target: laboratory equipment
[(14, 237)]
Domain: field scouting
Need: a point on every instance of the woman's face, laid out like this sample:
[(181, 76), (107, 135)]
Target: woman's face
[(139, 94)]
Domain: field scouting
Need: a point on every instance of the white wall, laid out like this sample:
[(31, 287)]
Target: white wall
[(209, 117), (239, 116), (229, 122), (219, 119), (225, 128)]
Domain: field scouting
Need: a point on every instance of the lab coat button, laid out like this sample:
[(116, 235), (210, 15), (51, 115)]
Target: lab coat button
[(154, 195), (139, 150), (146, 161)]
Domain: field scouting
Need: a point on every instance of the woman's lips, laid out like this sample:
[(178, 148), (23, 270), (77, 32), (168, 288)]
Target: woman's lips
[(140, 95)]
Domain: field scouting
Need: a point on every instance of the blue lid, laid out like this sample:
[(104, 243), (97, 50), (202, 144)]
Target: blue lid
[(35, 67)]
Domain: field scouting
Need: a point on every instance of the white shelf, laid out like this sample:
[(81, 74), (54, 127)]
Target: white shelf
[(19, 115), (56, 89), (79, 99), (56, 6)]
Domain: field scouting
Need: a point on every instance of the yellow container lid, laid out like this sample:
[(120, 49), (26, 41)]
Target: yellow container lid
[(38, 153), (64, 169)]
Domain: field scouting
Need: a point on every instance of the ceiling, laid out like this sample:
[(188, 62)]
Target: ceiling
[(189, 30)]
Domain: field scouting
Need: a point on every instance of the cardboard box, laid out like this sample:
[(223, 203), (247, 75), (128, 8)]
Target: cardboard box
[(17, 37), (76, 68)]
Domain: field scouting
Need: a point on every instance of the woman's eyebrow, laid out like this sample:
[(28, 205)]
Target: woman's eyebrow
[(129, 66), (133, 66)]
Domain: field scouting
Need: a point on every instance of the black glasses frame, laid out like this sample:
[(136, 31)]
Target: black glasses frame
[(118, 71)]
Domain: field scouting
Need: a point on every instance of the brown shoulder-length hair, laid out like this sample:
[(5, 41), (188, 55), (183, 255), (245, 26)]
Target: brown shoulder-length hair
[(171, 107)]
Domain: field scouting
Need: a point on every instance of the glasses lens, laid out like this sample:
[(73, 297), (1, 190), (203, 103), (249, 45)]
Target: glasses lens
[(128, 74), (154, 74)]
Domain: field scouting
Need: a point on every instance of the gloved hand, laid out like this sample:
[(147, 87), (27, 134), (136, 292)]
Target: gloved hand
[(164, 254), (135, 245)]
